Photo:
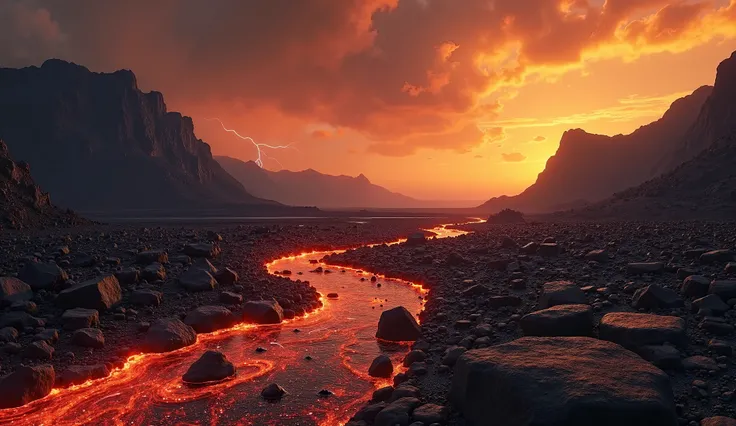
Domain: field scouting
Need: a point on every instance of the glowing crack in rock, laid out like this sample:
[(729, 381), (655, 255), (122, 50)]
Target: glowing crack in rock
[(259, 146)]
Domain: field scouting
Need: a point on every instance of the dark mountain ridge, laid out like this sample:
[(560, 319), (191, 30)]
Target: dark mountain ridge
[(589, 167), (98, 143), (312, 188)]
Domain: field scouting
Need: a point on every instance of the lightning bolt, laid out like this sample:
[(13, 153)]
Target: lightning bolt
[(259, 146)]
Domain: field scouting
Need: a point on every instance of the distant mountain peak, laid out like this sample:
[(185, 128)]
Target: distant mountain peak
[(361, 178)]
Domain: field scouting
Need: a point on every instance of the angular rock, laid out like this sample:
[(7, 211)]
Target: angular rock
[(559, 320), (26, 384), (699, 362), (655, 297), (431, 413), (152, 256), (78, 374), (196, 279), (207, 319), (14, 290), (20, 320), (273, 392), (263, 312), (226, 277), (503, 301), (414, 356), (154, 272), (212, 366), (43, 276), (639, 268), (716, 256), (718, 421), (710, 304), (561, 381), (726, 289), (695, 286), (168, 334), (48, 335), (74, 319), (208, 250), (230, 298), (100, 293), (633, 330), (397, 412), (665, 357), (397, 324), (146, 297), (561, 293), (89, 338), (38, 350), (381, 367), (452, 354), (8, 334), (128, 275)]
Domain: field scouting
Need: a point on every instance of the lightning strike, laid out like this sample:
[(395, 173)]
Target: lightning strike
[(259, 146)]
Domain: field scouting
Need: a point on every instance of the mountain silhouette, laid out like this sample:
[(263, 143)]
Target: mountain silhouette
[(96, 142), (589, 167), (312, 188)]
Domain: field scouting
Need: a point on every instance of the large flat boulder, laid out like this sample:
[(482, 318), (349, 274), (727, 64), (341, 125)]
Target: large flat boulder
[(560, 381), (26, 384), (42, 276), (14, 290), (560, 320), (77, 374), (100, 293), (263, 312), (207, 319), (633, 330), (167, 335), (197, 279), (397, 325), (74, 319), (561, 293)]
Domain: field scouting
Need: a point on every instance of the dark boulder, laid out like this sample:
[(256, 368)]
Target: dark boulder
[(14, 290), (26, 384), (381, 367), (633, 330), (263, 312), (207, 319), (78, 374), (398, 324), (559, 320), (212, 366), (100, 293), (561, 293), (654, 297), (168, 334), (43, 276)]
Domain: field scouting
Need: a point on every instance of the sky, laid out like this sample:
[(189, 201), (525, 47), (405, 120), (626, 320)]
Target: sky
[(436, 99)]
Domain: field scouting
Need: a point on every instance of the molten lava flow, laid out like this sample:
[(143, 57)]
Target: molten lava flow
[(338, 338)]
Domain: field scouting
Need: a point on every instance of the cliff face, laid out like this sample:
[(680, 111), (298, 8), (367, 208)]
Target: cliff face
[(22, 203), (311, 188), (97, 142), (589, 167)]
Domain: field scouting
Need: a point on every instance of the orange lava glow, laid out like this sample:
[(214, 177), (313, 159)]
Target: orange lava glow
[(339, 338)]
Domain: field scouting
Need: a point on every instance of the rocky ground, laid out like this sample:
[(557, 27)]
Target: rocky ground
[(668, 359), (83, 299)]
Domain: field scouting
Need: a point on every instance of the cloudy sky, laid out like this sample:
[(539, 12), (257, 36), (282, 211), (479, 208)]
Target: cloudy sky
[(438, 99)]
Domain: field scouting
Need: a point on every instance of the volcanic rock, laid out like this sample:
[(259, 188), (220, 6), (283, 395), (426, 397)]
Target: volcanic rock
[(43, 276), (20, 320), (89, 338), (230, 298), (381, 367), (226, 277), (430, 414), (38, 350), (100, 293), (639, 268), (77, 374), (695, 286), (711, 305), (26, 384), (654, 296), (212, 366), (14, 290), (397, 324), (168, 334), (128, 275), (146, 297), (208, 250), (718, 421), (715, 256), (74, 319), (663, 356), (152, 256), (559, 320), (206, 319), (726, 289), (397, 412), (561, 293), (273, 392), (633, 330), (263, 312), (559, 381), (196, 279), (154, 272)]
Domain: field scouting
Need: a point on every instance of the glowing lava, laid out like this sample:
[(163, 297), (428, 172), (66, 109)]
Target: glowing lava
[(339, 338)]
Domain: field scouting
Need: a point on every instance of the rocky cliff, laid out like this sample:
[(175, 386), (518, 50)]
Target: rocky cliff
[(98, 143)]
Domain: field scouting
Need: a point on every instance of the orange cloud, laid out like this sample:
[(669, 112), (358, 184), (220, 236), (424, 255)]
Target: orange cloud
[(514, 157), (321, 134), (404, 74)]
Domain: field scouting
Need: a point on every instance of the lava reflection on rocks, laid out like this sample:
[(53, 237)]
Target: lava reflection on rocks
[(332, 351)]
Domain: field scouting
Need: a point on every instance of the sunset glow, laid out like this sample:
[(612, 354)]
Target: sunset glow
[(458, 100)]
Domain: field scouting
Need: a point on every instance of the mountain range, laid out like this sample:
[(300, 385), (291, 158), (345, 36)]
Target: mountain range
[(96, 142), (588, 170), (311, 188)]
